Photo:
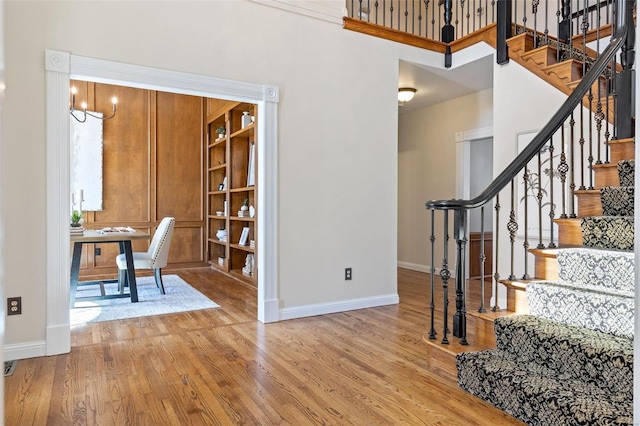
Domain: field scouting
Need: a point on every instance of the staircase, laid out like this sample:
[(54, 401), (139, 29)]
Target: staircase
[(562, 351)]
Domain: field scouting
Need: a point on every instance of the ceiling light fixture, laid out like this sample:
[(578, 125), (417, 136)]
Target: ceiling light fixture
[(405, 94), (73, 111)]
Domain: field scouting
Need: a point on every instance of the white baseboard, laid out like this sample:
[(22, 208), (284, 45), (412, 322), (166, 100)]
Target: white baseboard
[(417, 267), (340, 306), (25, 350)]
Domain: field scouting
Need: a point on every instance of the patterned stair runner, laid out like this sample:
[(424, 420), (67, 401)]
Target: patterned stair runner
[(548, 373), (595, 290), (614, 229)]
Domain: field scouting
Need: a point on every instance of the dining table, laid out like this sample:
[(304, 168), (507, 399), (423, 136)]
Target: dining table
[(123, 237)]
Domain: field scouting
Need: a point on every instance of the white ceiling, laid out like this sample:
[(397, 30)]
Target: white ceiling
[(436, 85)]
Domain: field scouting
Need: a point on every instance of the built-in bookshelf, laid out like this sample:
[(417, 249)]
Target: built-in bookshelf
[(230, 137)]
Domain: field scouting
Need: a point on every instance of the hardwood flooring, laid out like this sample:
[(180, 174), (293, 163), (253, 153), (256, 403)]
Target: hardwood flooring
[(221, 366)]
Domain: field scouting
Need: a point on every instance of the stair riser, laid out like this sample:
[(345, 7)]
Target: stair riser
[(543, 56), (589, 204), (621, 150), (517, 301), (606, 175), (608, 232), (567, 71), (597, 269), (546, 268), (569, 233)]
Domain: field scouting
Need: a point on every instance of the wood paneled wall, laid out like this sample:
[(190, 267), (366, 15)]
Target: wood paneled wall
[(153, 166)]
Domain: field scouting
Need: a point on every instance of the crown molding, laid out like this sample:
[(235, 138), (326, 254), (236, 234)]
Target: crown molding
[(306, 8)]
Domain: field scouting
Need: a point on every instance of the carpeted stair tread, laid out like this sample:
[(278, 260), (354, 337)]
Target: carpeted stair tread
[(539, 395), (606, 311), (597, 269), (617, 200), (626, 172), (584, 354), (607, 232)]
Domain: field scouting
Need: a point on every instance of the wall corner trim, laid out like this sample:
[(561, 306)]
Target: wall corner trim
[(306, 8)]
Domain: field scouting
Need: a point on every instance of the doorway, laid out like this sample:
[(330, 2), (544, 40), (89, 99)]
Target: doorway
[(60, 68)]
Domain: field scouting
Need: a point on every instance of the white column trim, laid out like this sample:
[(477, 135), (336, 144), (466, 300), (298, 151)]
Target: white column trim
[(60, 68), (58, 331)]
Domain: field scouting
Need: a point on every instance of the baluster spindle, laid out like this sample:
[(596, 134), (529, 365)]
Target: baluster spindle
[(493, 10), (399, 16), (406, 16), (552, 206), (590, 98), (391, 14), (483, 258), (512, 227), (572, 169), (432, 305), (525, 199), (524, 16), (581, 142), (457, 21), (433, 21), (539, 198), (563, 168), (607, 98), (420, 20), (534, 12), (496, 274), (546, 22), (445, 274), (368, 13)]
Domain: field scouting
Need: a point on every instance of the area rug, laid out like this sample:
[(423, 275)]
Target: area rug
[(179, 297)]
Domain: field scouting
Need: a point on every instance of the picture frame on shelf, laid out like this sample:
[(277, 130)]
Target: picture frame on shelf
[(251, 179), (221, 187), (244, 236)]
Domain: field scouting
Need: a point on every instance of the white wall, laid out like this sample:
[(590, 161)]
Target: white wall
[(427, 170), (337, 132)]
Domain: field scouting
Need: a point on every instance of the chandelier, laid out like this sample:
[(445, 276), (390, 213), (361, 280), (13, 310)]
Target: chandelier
[(73, 111)]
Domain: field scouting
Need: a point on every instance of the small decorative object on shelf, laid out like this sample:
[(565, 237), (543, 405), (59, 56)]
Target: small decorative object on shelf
[(252, 211), (222, 234), (221, 132), (244, 236), (252, 244), (248, 265), (219, 213), (76, 223), (221, 261), (246, 119)]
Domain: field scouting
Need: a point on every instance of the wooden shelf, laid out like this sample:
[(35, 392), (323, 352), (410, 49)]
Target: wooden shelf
[(243, 248), (243, 189), (247, 131), (235, 151)]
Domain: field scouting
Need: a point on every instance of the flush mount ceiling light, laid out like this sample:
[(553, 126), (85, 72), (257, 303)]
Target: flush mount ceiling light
[(405, 94)]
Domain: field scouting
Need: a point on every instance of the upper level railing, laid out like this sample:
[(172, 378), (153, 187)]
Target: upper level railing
[(558, 161), (565, 22)]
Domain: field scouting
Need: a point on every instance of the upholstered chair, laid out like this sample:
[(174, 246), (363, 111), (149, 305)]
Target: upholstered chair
[(155, 258)]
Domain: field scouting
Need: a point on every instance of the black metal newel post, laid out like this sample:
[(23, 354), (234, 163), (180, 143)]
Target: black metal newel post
[(460, 317), (448, 31), (625, 87), (564, 29), (504, 31)]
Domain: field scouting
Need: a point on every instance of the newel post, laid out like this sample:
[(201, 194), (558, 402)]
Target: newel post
[(504, 31), (625, 81), (448, 31), (564, 27), (460, 317)]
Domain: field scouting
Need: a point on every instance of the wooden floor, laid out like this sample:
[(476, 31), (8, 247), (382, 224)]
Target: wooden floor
[(221, 366)]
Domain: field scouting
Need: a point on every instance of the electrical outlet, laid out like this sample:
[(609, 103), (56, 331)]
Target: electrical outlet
[(347, 274), (98, 252), (14, 305)]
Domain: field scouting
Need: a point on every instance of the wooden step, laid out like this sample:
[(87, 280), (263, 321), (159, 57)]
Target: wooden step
[(569, 232), (606, 175), (621, 149), (441, 358), (516, 295), (546, 264), (543, 56), (521, 43), (567, 71), (589, 203)]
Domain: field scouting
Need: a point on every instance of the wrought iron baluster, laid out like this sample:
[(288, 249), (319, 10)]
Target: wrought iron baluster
[(483, 258), (546, 22), (432, 305), (457, 21), (353, 11), (468, 16), (552, 206), (524, 16), (496, 274), (406, 16), (572, 169), (384, 12), (607, 98), (512, 227), (493, 10), (391, 13), (399, 16), (433, 21), (445, 274), (368, 10), (581, 142), (561, 40), (563, 168), (590, 98), (420, 19), (377, 4), (539, 198), (525, 199), (534, 12)]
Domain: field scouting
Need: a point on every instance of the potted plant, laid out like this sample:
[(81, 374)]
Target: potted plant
[(76, 219), (221, 131), (245, 205)]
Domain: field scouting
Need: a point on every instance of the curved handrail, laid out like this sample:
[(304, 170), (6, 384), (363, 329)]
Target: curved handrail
[(550, 128)]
